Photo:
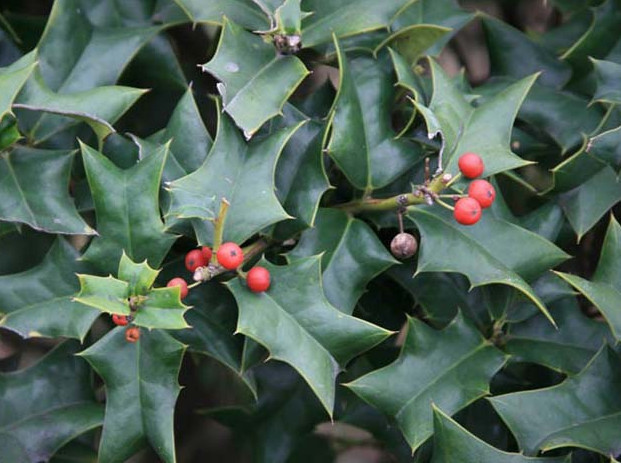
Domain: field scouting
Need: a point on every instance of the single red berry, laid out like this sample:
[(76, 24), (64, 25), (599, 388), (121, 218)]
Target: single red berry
[(483, 192), (132, 334), (467, 211), (182, 285), (258, 279), (230, 256), (120, 320), (206, 250), (195, 259), (471, 165)]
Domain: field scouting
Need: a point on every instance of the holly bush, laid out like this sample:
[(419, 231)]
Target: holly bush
[(237, 230)]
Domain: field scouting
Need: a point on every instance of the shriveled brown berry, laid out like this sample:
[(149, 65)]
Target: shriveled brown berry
[(403, 246)]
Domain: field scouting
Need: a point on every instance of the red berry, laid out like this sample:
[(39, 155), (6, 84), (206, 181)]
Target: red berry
[(230, 256), (132, 334), (483, 192), (120, 320), (206, 250), (195, 259), (467, 211), (258, 279), (471, 165), (182, 285)]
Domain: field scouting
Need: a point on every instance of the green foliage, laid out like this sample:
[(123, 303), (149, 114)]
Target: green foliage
[(309, 132)]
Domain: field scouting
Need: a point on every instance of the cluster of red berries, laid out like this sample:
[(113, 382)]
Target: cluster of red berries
[(481, 193)]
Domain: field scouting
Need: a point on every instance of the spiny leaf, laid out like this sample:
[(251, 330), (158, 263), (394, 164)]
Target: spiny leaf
[(254, 89), (99, 108), (608, 77), (242, 173), (246, 13), (352, 256), (412, 41), (604, 291), (38, 302), (127, 209), (480, 251), (568, 348), (451, 439), (586, 204), (47, 405), (343, 18), (22, 172), (362, 142), (449, 368), (154, 307), (567, 415), (485, 130), (12, 78), (312, 335), (141, 390)]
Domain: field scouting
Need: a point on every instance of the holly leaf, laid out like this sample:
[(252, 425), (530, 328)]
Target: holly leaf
[(342, 18), (514, 54), (412, 41), (568, 348), (249, 14), (480, 251), (313, 336), (12, 78), (608, 78), (301, 178), (604, 290), (606, 147), (242, 173), (22, 172), (155, 307), (352, 256), (39, 301), (99, 108), (56, 404), (451, 439), (563, 415), (485, 130), (362, 142), (449, 368), (262, 73), (141, 391), (127, 209), (586, 204)]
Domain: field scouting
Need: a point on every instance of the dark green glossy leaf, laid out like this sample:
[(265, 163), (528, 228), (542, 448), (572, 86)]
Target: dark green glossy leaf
[(412, 41), (513, 54), (607, 147), (12, 78), (608, 77), (342, 18), (240, 172), (46, 405), (481, 253), (567, 348), (569, 414), (599, 38), (300, 174), (244, 12), (156, 307), (604, 290), (141, 390), (449, 368), (362, 142), (295, 322), (575, 170), (127, 208), (485, 130), (99, 107), (38, 302), (586, 204), (352, 256), (254, 89), (451, 439), (22, 172)]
